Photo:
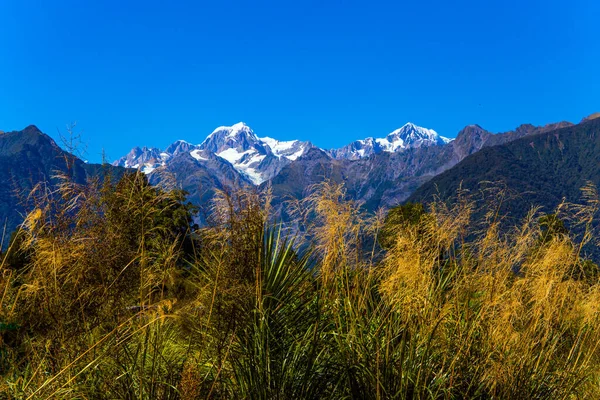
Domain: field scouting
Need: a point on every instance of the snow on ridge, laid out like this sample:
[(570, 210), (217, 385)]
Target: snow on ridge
[(148, 169), (245, 162), (245, 151), (411, 129), (233, 155), (281, 148), (196, 154), (254, 175), (410, 135), (407, 136), (275, 144)]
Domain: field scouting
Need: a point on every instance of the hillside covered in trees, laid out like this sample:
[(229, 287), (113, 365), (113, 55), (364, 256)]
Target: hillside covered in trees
[(542, 170)]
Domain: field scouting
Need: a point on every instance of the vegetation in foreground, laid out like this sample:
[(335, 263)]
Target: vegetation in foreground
[(109, 291)]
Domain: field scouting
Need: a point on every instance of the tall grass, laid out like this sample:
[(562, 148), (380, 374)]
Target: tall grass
[(109, 291)]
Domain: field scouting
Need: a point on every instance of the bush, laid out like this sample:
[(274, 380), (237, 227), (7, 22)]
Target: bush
[(110, 291)]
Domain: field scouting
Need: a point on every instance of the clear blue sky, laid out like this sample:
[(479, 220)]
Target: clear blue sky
[(148, 72)]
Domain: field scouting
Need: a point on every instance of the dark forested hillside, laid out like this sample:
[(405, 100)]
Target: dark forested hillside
[(538, 170)]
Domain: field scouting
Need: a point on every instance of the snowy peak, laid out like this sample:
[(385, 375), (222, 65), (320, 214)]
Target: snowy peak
[(261, 158), (238, 135), (200, 155), (239, 145), (258, 159), (146, 158), (291, 149), (242, 137), (357, 149), (411, 136), (406, 137), (233, 130)]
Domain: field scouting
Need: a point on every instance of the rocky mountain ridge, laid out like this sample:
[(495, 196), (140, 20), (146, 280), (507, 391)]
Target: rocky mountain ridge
[(376, 172), (234, 156)]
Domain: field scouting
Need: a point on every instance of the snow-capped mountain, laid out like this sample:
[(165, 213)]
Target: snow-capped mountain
[(406, 137), (411, 136), (257, 159), (145, 158)]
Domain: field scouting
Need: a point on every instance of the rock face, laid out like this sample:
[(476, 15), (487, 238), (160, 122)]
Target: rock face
[(200, 173), (591, 117)]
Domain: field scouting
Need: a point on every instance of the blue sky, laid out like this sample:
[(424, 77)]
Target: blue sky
[(151, 72)]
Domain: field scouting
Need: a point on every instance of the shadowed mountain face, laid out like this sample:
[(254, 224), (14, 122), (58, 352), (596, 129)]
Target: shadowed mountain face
[(522, 131), (540, 170), (28, 158), (200, 174)]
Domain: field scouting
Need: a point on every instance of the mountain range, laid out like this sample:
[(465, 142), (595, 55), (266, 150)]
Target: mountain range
[(377, 172), (259, 159)]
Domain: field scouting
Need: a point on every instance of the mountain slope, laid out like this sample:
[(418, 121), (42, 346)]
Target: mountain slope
[(199, 173), (386, 179), (541, 169), (259, 159), (30, 157)]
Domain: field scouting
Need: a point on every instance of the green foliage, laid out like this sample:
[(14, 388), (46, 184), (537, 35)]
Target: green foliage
[(17, 254), (408, 214), (552, 226)]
